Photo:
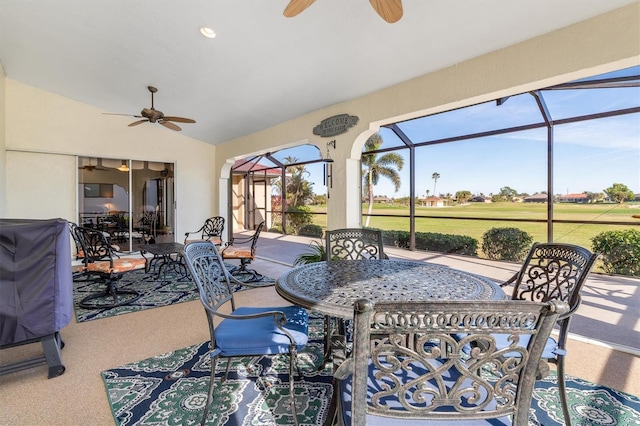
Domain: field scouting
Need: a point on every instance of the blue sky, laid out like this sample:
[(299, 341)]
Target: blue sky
[(589, 155)]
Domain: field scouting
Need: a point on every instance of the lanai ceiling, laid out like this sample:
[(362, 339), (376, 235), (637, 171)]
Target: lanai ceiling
[(262, 68)]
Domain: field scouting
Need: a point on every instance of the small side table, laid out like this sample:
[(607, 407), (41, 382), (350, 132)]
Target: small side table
[(169, 255)]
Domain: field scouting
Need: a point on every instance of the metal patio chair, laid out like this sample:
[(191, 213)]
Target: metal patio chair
[(554, 271), (100, 259), (409, 367), (246, 331), (211, 230), (244, 250)]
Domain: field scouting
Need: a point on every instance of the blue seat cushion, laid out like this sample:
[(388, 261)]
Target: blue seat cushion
[(259, 336), (375, 385), (502, 341)]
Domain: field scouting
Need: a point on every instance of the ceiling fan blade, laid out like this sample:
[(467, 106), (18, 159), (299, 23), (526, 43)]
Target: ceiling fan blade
[(169, 125), (126, 115), (135, 123), (179, 119), (296, 6), (389, 10)]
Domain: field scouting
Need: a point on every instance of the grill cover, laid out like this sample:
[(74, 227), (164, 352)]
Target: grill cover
[(36, 284)]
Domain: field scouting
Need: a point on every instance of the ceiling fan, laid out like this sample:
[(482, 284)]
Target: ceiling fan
[(91, 167), (389, 10), (153, 115)]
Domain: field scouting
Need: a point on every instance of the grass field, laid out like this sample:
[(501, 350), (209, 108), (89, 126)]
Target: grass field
[(574, 233)]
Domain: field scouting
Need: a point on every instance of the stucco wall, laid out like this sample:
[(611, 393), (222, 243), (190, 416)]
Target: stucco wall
[(44, 133), (605, 43)]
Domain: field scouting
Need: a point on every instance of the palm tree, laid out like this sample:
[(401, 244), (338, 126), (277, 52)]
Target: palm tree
[(435, 176), (373, 167)]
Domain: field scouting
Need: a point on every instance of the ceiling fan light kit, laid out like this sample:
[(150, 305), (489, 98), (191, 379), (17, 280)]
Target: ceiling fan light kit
[(153, 115)]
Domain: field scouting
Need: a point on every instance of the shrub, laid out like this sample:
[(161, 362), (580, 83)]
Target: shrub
[(311, 231), (297, 217), (433, 241), (276, 229), (619, 250), (506, 244)]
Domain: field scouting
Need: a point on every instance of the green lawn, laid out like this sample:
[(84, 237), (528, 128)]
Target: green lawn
[(574, 233)]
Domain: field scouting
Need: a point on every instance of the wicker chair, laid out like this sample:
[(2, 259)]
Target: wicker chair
[(408, 367), (99, 259), (554, 271), (210, 231), (247, 331)]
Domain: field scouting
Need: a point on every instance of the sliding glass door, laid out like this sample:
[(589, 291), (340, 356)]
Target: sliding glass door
[(131, 201)]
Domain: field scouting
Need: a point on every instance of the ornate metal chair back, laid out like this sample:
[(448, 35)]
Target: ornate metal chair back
[(553, 271), (409, 362), (95, 246), (213, 227), (211, 277), (354, 244)]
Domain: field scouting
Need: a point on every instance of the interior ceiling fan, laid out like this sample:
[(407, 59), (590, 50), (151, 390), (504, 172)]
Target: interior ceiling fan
[(91, 167), (389, 10), (153, 115)]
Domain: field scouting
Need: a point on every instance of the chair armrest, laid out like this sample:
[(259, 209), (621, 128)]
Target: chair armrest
[(241, 240), (510, 280), (234, 280)]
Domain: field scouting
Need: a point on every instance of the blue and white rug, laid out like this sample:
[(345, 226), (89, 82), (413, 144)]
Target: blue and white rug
[(169, 289), (171, 389)]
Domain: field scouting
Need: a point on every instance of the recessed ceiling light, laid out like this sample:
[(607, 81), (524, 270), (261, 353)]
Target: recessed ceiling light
[(207, 32)]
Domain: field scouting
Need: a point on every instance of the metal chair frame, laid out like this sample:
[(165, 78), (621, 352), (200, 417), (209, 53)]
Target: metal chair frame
[(350, 244), (408, 364), (210, 231), (555, 271), (244, 250), (214, 284), (96, 248)]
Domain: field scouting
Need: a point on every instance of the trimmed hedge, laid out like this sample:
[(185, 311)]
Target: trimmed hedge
[(506, 244), (619, 251), (311, 231), (433, 241)]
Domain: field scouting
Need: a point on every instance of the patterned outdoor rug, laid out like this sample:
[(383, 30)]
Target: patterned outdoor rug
[(171, 389), (154, 293)]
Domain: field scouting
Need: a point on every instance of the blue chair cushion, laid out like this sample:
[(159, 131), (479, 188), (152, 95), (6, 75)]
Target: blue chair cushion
[(260, 335), (502, 341), (375, 385)]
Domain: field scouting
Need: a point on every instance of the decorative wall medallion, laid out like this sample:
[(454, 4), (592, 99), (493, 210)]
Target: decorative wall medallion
[(335, 125)]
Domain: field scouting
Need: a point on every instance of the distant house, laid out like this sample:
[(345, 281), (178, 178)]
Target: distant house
[(432, 202), (479, 199), (536, 198), (382, 199), (573, 198)]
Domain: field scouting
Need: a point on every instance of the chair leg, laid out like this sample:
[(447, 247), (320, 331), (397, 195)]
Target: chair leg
[(112, 291), (212, 378), (292, 360), (563, 391), (243, 270)]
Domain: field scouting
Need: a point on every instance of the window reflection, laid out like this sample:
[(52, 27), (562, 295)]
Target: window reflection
[(131, 201)]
